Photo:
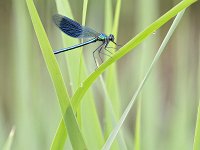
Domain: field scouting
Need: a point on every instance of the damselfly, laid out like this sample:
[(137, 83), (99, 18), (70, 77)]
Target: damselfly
[(74, 29)]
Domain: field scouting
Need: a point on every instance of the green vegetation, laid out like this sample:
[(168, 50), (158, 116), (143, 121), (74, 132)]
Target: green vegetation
[(102, 116)]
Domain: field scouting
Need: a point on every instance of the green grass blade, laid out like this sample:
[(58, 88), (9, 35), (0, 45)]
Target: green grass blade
[(196, 144), (85, 4), (60, 137), (108, 16), (64, 8), (127, 48), (89, 118), (72, 57), (112, 116), (112, 113), (23, 75), (111, 74), (128, 108), (137, 140), (178, 127), (116, 18), (150, 113), (75, 135), (77, 71), (49, 56), (9, 141)]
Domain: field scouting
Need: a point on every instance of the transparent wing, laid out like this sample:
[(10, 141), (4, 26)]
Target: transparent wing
[(73, 28)]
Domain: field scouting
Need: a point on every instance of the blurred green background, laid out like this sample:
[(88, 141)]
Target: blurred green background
[(169, 99)]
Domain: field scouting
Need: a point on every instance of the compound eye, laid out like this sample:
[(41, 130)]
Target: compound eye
[(112, 37)]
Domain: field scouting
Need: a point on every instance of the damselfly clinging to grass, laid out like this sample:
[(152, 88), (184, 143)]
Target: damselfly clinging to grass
[(74, 29)]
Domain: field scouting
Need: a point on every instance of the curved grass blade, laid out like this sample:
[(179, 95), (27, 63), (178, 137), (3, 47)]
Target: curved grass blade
[(127, 48), (128, 108), (75, 135), (131, 44)]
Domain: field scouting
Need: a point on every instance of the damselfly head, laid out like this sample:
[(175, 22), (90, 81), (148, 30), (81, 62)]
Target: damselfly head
[(111, 37)]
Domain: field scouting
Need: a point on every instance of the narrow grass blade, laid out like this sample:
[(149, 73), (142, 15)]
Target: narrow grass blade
[(64, 8), (60, 137), (127, 48), (72, 57), (116, 18), (196, 145), (108, 16), (111, 75), (85, 4), (150, 108), (128, 108), (137, 137), (112, 116), (88, 119), (9, 141), (75, 135), (24, 74)]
